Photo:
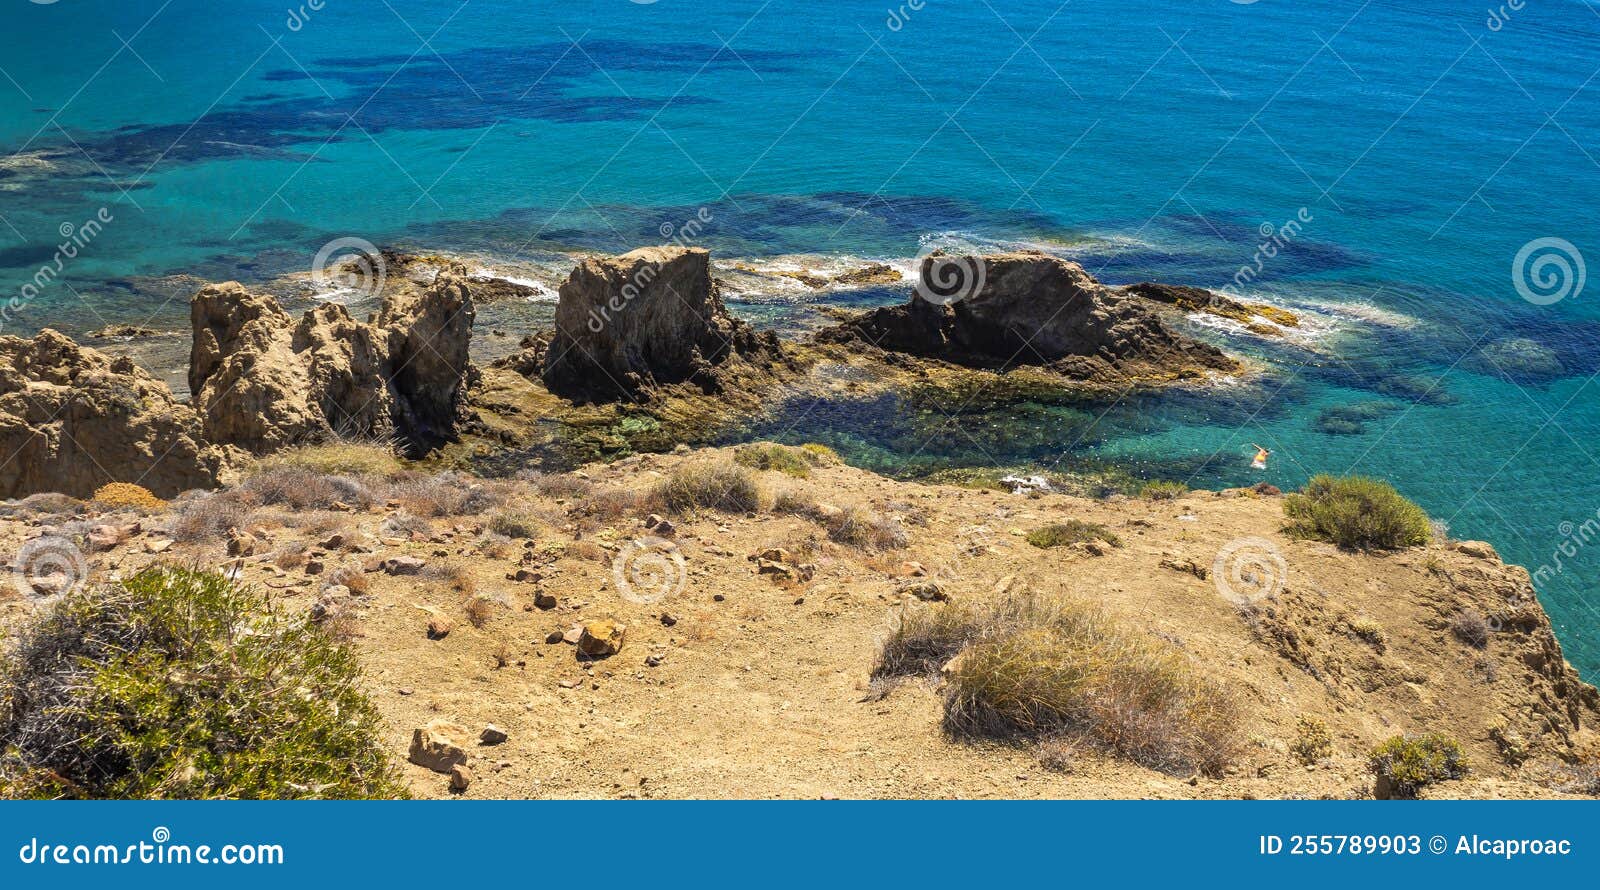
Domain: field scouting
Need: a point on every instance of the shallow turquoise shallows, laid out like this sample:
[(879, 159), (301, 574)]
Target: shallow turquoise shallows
[(1417, 180)]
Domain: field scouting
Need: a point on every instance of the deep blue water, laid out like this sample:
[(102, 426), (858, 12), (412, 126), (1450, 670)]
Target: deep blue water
[(1423, 144)]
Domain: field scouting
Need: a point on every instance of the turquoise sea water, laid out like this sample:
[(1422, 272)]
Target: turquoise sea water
[(1419, 147)]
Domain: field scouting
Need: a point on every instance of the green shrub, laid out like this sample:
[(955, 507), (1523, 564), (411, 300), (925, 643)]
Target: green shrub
[(1073, 531), (1035, 667), (780, 458), (821, 455), (1356, 513), (711, 486), (1312, 740), (1403, 766), (178, 683), (1163, 490)]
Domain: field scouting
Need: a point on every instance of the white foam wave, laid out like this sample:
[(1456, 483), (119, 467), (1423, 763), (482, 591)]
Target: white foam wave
[(543, 292), (1366, 312)]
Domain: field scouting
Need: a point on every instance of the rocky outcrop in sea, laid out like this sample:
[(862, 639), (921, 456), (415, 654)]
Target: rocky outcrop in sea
[(1031, 308), (645, 328), (649, 317)]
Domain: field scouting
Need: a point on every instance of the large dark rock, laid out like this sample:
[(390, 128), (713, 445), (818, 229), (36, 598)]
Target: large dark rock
[(73, 419), (262, 382), (430, 369), (1030, 308), (649, 317)]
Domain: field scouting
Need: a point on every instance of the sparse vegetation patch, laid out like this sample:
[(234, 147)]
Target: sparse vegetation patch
[(1356, 513), (1072, 531), (1036, 667), (179, 684), (722, 486)]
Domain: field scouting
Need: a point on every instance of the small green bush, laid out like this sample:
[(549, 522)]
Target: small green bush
[(1403, 766), (178, 683), (1312, 740), (1073, 531), (779, 458), (709, 486), (821, 455), (1163, 490), (1356, 513)]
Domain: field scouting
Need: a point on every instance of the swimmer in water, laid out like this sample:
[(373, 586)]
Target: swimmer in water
[(1260, 462)]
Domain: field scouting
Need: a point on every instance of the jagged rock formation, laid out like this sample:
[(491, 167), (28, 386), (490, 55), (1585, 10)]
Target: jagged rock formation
[(262, 382), (1035, 309), (73, 419), (1197, 299), (430, 369), (649, 317)]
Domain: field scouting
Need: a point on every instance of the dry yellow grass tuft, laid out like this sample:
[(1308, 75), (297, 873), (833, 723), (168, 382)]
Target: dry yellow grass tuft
[(336, 459), (1031, 666), (723, 486)]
